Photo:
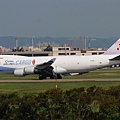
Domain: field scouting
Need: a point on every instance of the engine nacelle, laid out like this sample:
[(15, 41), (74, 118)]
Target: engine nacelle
[(29, 70), (19, 72), (59, 70), (24, 71)]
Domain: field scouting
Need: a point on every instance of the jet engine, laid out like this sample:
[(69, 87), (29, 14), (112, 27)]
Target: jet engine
[(19, 72), (24, 71), (29, 70)]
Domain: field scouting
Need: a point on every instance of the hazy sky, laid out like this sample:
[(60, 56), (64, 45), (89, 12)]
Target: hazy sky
[(60, 18)]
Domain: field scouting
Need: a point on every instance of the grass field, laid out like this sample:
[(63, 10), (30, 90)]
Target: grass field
[(102, 73), (35, 88)]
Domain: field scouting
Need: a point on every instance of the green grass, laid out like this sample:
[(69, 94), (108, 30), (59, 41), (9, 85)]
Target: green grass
[(102, 73), (35, 88), (12, 77)]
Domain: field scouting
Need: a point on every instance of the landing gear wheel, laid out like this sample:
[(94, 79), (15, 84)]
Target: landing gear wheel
[(51, 77), (59, 76), (42, 77)]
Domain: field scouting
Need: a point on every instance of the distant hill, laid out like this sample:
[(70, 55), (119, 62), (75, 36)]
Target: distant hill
[(9, 41)]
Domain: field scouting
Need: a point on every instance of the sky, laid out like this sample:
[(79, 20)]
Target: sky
[(60, 18)]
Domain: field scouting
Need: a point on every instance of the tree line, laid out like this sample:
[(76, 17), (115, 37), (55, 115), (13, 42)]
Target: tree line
[(93, 103)]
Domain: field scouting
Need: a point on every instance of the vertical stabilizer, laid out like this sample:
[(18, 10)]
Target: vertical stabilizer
[(114, 49)]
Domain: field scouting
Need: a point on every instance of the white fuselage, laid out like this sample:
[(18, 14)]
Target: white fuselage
[(62, 64)]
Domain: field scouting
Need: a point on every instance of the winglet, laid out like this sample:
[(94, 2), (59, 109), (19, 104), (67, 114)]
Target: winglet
[(114, 49), (52, 60)]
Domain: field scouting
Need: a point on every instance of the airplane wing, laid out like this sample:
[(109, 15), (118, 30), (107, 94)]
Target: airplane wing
[(44, 69), (45, 64)]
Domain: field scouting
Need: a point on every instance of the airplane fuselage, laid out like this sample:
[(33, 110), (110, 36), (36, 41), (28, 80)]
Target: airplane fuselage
[(53, 66), (62, 64)]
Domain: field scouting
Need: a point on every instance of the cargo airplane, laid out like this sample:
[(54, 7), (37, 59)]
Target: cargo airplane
[(55, 66)]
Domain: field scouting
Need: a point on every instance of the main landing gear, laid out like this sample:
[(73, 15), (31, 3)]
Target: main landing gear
[(42, 77), (58, 76)]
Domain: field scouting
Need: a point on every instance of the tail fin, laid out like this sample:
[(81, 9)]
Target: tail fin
[(114, 49)]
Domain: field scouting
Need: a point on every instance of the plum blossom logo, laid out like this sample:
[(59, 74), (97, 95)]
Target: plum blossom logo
[(118, 45), (33, 61)]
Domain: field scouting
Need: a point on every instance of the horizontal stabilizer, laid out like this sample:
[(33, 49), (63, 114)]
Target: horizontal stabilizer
[(116, 58)]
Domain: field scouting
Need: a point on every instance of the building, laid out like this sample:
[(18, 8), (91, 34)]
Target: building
[(68, 51), (56, 51)]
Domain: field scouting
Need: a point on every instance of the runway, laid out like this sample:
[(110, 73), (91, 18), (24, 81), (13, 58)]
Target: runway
[(58, 80)]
